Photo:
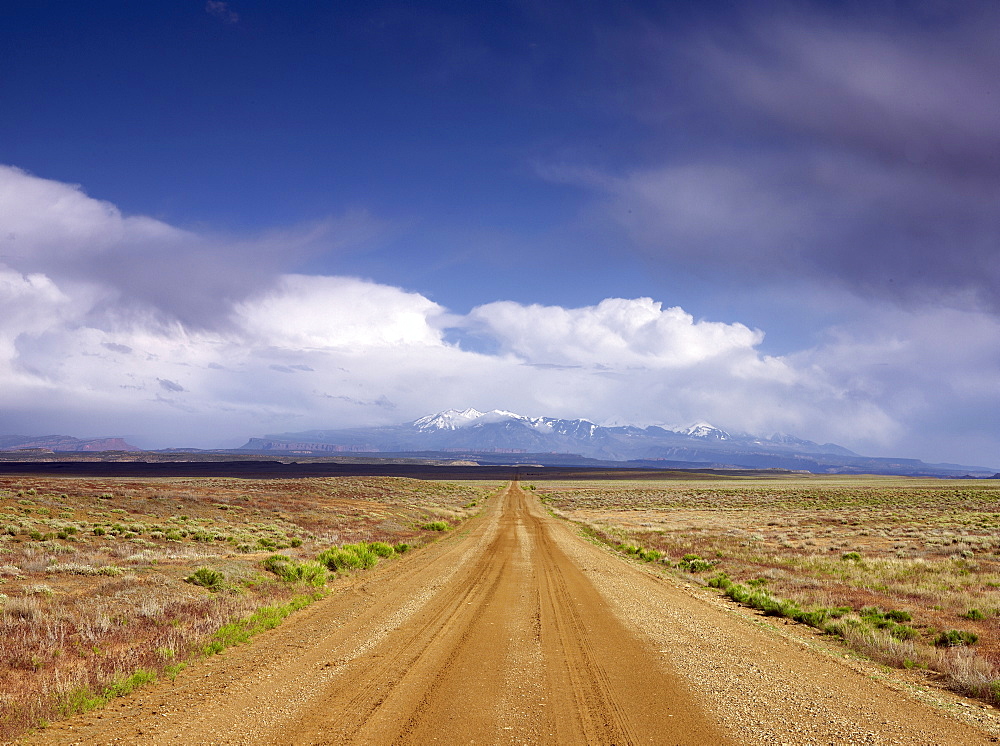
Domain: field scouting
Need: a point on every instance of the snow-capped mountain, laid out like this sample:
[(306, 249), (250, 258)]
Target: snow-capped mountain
[(703, 430), (455, 419), (503, 434), (450, 419)]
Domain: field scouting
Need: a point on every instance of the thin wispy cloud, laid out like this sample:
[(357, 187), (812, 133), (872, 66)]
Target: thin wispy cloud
[(147, 266), (222, 11), (849, 146)]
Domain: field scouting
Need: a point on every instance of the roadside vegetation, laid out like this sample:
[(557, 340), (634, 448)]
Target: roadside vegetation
[(906, 571), (107, 584)]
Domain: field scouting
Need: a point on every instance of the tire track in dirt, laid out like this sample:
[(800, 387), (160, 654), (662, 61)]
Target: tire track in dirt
[(449, 676)]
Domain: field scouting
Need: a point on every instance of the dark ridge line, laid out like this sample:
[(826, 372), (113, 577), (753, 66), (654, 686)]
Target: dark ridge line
[(279, 470)]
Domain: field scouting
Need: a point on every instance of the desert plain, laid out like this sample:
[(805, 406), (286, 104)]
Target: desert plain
[(772, 609)]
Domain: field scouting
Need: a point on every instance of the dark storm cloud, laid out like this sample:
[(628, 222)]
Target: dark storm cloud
[(861, 148), (145, 265), (196, 279)]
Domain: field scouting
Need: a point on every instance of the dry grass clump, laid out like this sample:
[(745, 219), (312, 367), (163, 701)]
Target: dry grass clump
[(93, 598), (803, 546)]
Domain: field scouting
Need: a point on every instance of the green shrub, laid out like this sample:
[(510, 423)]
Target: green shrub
[(816, 618), (358, 556), (82, 699), (207, 578), (312, 573), (401, 548), (436, 526), (903, 632), (719, 580), (79, 700), (955, 637), (338, 559), (382, 549), (888, 622), (756, 597), (772, 606), (994, 690), (263, 619), (129, 684), (276, 563), (848, 556), (843, 627), (693, 563), (974, 615), (364, 553)]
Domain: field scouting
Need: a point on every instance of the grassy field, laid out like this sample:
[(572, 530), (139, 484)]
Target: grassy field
[(106, 584), (905, 570)]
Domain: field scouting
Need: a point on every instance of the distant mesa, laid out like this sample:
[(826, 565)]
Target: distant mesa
[(62, 444), (501, 436)]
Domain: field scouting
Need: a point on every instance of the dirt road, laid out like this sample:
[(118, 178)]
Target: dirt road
[(514, 630)]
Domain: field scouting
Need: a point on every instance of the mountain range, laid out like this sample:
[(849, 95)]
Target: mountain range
[(499, 436)]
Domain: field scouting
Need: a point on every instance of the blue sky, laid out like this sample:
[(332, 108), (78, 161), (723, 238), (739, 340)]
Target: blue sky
[(229, 218)]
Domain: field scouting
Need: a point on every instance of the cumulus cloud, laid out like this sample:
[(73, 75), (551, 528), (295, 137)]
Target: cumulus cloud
[(80, 355), (338, 312), (617, 332)]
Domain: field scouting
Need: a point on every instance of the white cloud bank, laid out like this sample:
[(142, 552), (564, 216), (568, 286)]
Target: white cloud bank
[(80, 354), (614, 333)]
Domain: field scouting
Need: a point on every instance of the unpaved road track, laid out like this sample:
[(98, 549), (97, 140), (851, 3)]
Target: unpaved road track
[(514, 630)]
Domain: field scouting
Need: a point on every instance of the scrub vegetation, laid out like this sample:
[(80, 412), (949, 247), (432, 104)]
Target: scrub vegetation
[(906, 571), (107, 584)]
